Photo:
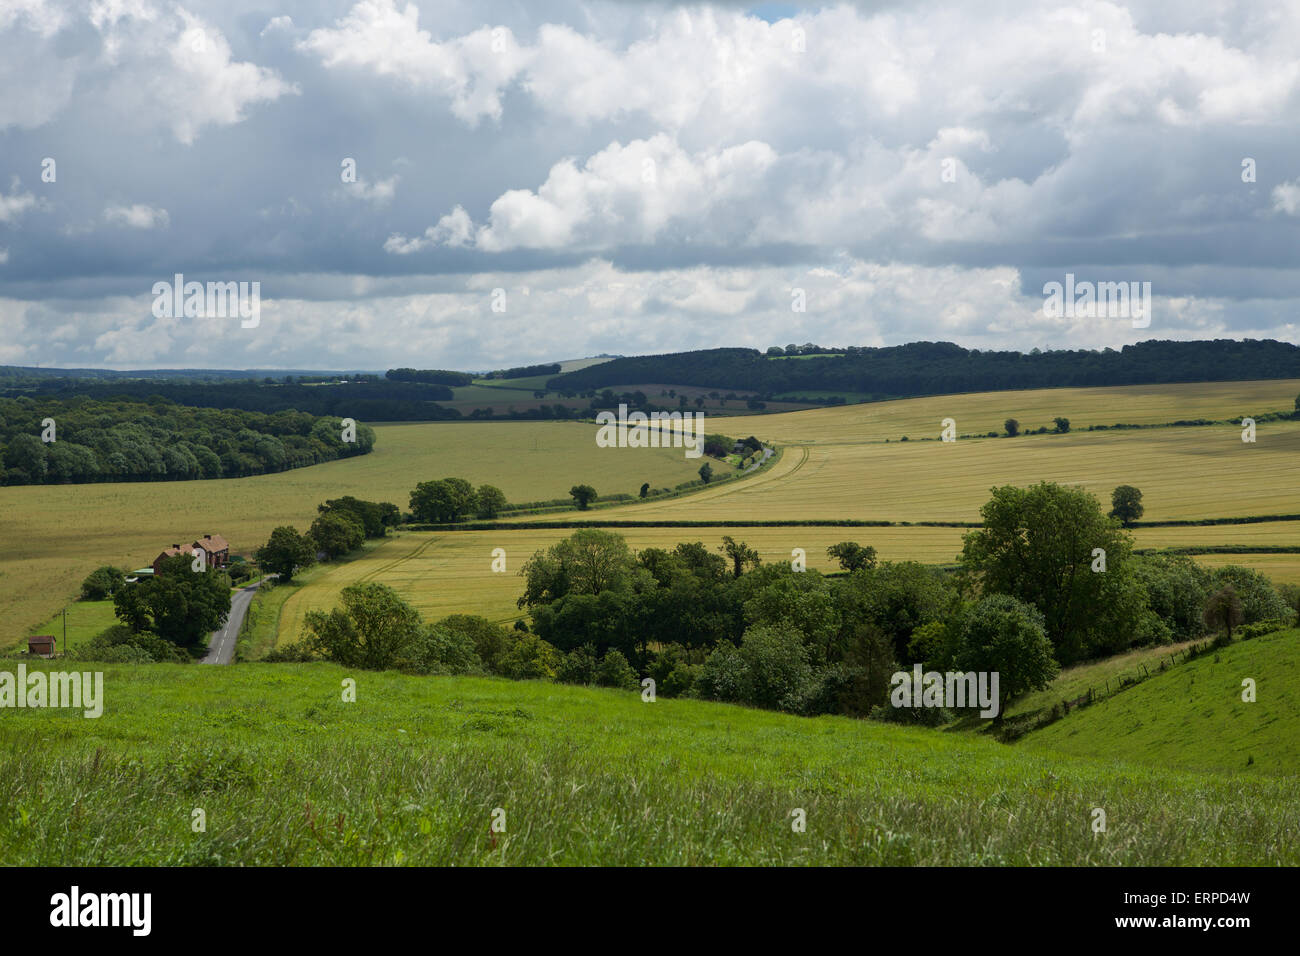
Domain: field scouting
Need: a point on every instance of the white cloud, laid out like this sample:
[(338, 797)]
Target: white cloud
[(380, 193), (137, 216), (470, 70), (1286, 198), (16, 203)]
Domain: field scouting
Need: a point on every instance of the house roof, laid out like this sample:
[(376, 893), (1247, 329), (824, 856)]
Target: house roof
[(212, 542), (172, 552)]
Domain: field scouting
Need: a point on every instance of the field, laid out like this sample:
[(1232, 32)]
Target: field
[(835, 465), (54, 535), (286, 774), (1192, 717), (1183, 473)]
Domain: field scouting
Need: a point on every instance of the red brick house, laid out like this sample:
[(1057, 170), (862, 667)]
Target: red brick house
[(42, 645), (217, 547)]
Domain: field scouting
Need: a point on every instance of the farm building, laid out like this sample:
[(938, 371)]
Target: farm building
[(215, 546), (42, 645)]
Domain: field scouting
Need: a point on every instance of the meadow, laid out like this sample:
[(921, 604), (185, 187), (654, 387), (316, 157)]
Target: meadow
[(1192, 717), (286, 773)]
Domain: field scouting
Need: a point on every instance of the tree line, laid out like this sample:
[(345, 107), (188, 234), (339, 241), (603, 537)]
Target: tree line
[(933, 368), (77, 440)]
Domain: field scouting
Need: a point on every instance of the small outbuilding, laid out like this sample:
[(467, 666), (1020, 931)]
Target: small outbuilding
[(41, 645)]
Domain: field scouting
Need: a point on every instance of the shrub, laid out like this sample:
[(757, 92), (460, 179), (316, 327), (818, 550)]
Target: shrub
[(615, 671), (530, 658), (578, 666), (101, 583)]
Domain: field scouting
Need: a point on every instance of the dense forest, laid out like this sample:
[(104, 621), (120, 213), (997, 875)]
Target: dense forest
[(370, 398), (160, 441), (935, 368)]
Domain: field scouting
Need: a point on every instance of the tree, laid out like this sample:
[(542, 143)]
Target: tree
[(491, 501), (740, 554), (1005, 636), (178, 603), (1040, 544), (285, 552), (372, 628), (589, 561), (102, 583), (645, 489), (583, 495), (706, 472), (852, 556), (1126, 504), (336, 533), (1223, 609), (1062, 425), (1012, 426), (442, 501)]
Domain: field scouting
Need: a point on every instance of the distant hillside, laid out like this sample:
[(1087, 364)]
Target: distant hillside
[(933, 368)]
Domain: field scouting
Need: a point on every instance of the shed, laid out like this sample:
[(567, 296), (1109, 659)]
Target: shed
[(42, 645)]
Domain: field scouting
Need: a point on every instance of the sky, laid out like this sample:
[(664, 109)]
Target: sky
[(489, 184)]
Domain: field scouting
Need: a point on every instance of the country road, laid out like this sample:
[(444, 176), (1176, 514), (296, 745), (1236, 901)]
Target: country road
[(221, 646)]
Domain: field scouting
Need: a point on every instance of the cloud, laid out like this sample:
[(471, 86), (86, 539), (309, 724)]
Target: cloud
[(380, 193), (13, 205), (1286, 198), (470, 71), (137, 216)]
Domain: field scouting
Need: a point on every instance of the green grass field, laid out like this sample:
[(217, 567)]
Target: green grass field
[(1192, 717), (286, 773)]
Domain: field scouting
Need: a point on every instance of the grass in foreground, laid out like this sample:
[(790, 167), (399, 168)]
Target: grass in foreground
[(287, 773)]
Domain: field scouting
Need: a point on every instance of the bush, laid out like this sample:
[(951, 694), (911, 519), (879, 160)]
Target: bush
[(615, 671), (120, 645), (101, 583), (442, 651), (578, 666), (490, 641), (1259, 629), (530, 658)]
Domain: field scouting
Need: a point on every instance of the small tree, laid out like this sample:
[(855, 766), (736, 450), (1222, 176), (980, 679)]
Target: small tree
[(491, 501), (706, 472), (1062, 425), (102, 583), (1223, 610), (336, 533), (285, 552), (740, 554), (1012, 426), (372, 628), (645, 489), (852, 556), (1126, 504), (583, 495)]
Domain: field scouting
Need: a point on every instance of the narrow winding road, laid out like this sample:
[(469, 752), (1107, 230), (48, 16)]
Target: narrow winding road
[(221, 646)]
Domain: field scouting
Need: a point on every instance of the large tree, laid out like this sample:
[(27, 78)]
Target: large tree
[(336, 533), (177, 603), (1045, 546), (285, 552), (1126, 504), (1004, 636), (443, 501)]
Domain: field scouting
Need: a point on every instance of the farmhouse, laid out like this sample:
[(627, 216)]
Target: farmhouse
[(214, 545)]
